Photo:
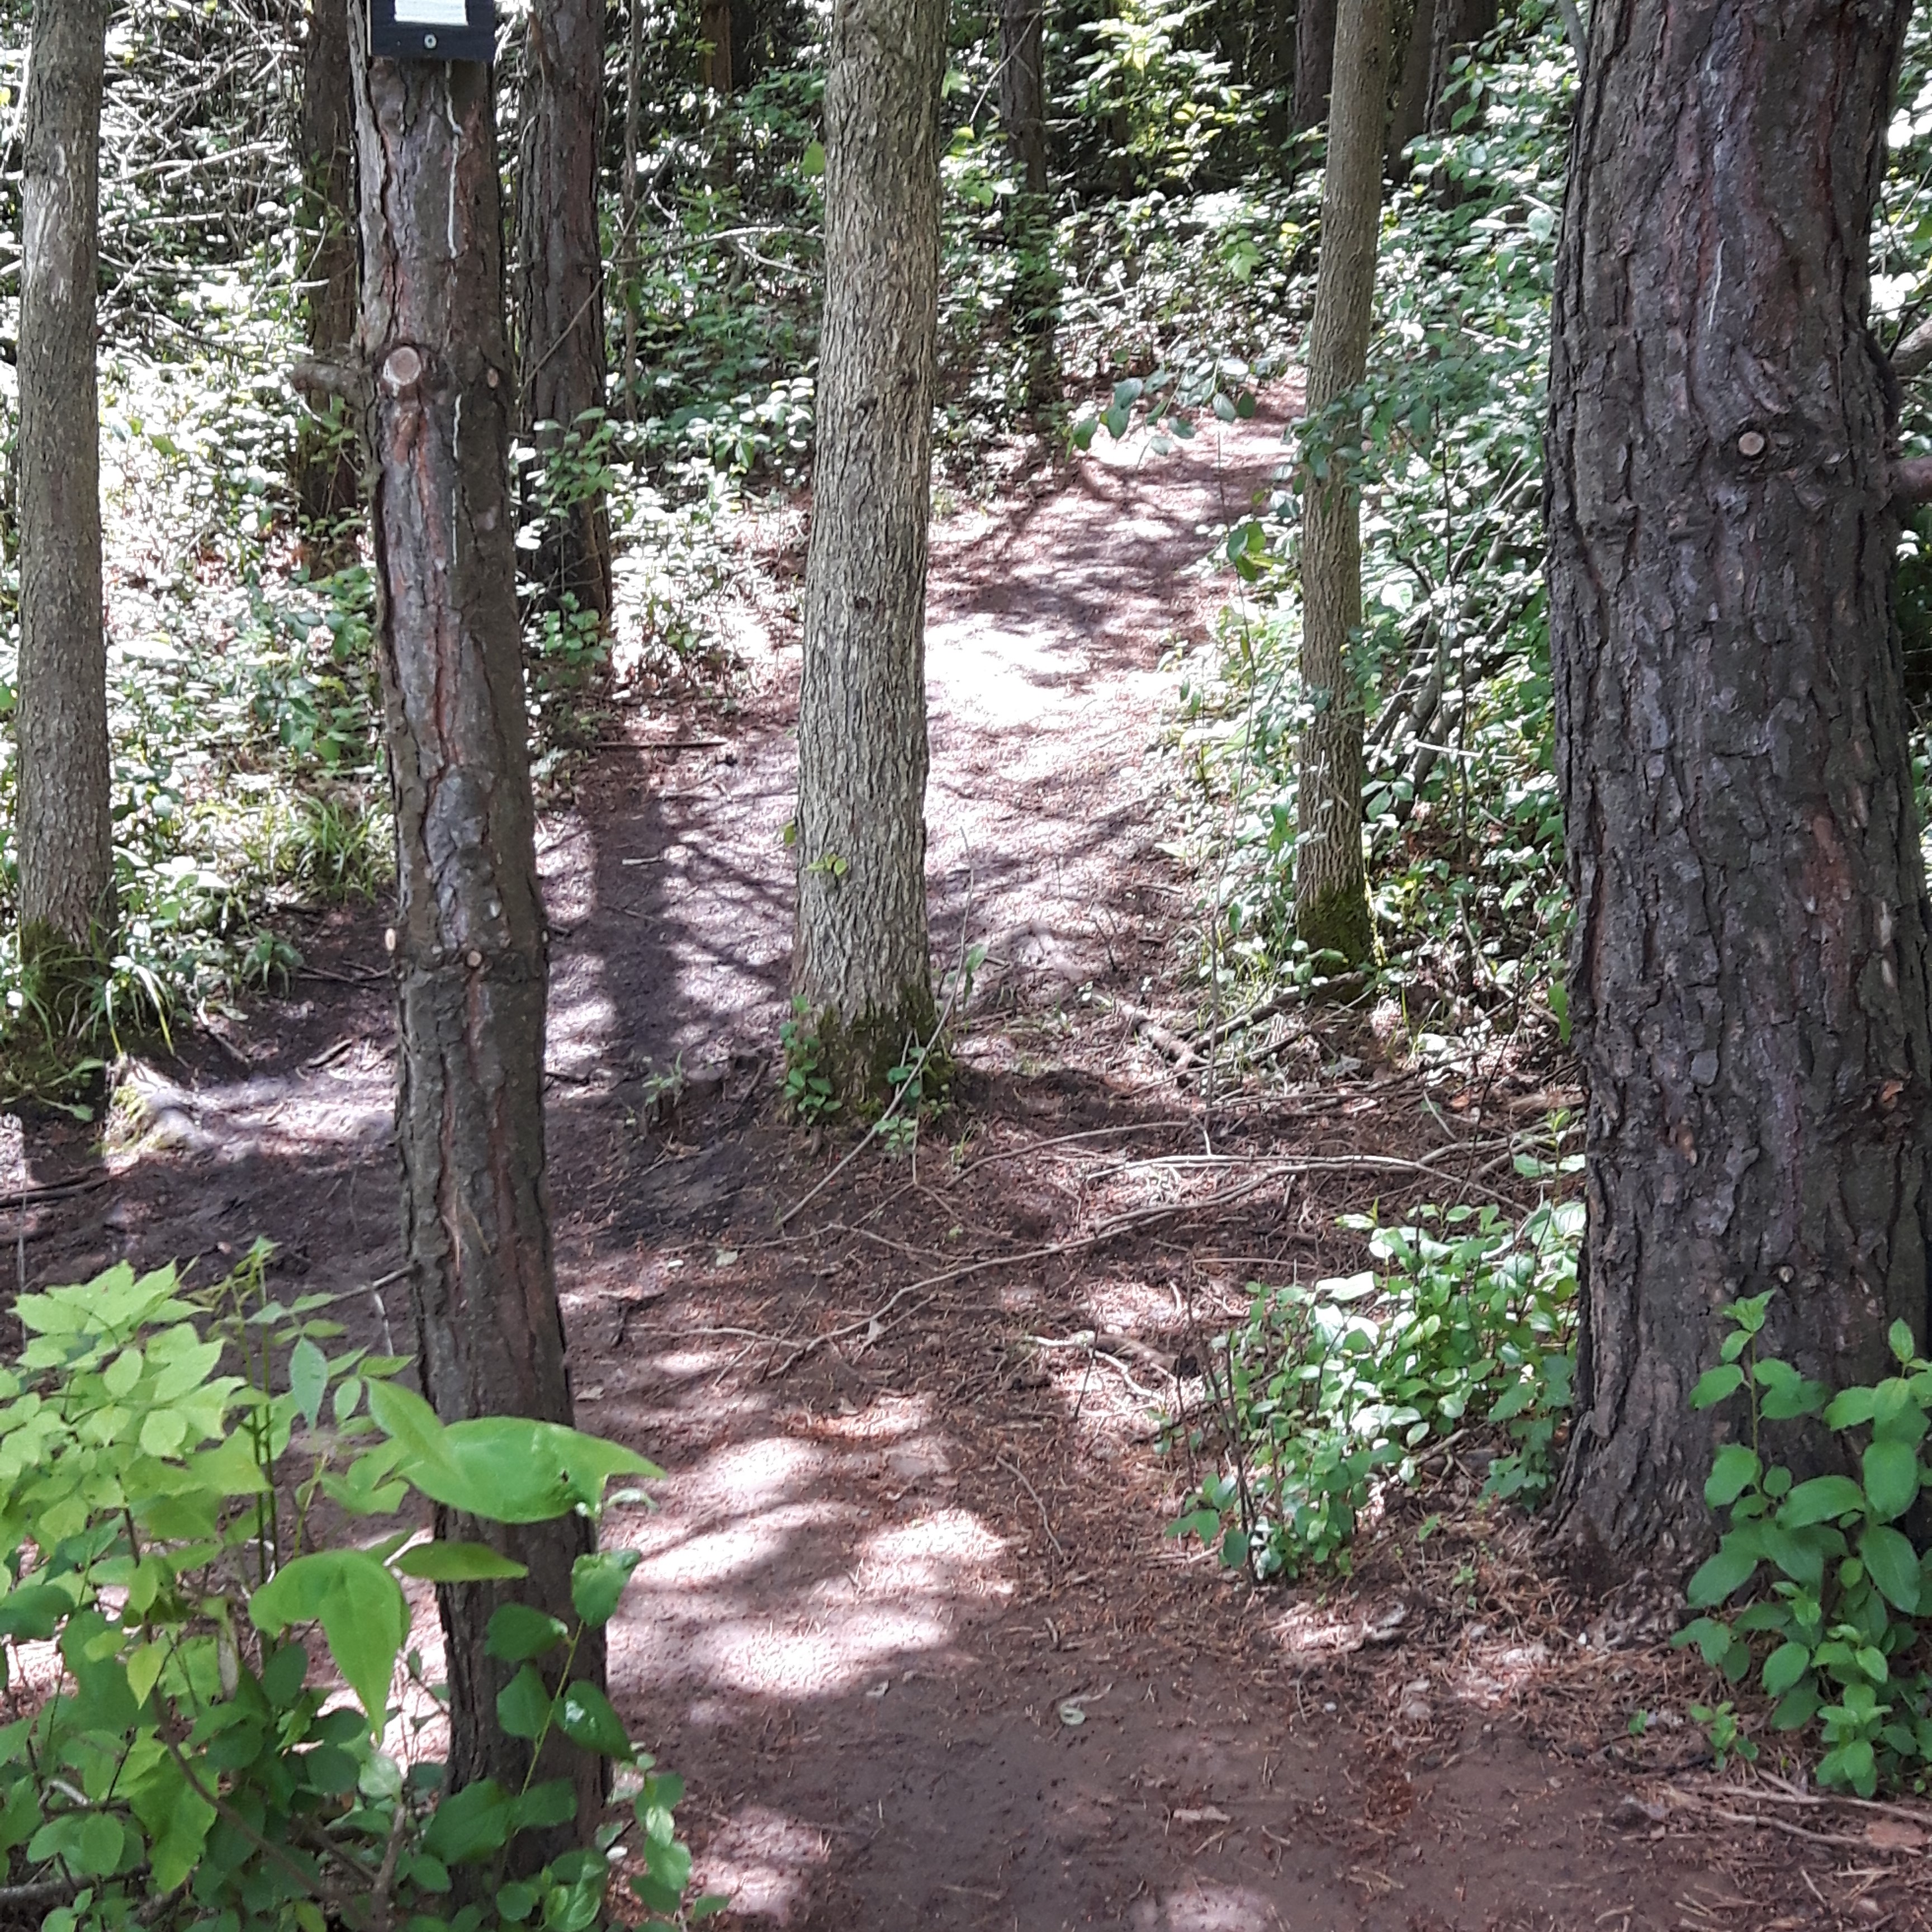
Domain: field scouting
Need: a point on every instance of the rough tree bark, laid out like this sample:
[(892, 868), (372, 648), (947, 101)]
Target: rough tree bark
[(1331, 905), (860, 959), (1023, 89), (470, 963), (560, 293), (718, 64), (1023, 118), (65, 832), (1458, 25), (1749, 981), (1314, 61), (1410, 115), (328, 474)]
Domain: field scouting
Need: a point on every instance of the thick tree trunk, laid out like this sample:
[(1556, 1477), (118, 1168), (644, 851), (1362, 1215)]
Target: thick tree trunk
[(1023, 89), (718, 56), (861, 960), (328, 474), (470, 962), (560, 302), (1458, 25), (1314, 61), (65, 831), (1749, 982), (1411, 113), (1331, 905)]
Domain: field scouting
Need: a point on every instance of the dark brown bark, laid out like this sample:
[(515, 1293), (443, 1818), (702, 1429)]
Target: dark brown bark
[(560, 303), (1749, 982), (470, 962), (328, 474), (1457, 26), (1314, 61), (65, 832), (861, 959), (1410, 115), (1023, 89), (718, 58), (1331, 905)]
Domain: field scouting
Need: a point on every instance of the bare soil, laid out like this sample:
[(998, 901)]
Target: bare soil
[(907, 1621)]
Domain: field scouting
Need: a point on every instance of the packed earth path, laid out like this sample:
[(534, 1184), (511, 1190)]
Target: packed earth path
[(907, 1620)]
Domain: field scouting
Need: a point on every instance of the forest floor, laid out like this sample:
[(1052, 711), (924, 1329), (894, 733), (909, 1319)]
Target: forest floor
[(907, 1621)]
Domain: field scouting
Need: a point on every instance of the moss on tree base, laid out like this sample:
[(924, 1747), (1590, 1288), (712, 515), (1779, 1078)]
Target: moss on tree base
[(860, 1057), (1338, 921)]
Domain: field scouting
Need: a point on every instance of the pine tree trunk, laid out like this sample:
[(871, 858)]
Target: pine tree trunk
[(470, 962), (1314, 60), (328, 474), (1411, 114), (1749, 980), (560, 303), (1023, 89), (1331, 906), (861, 960), (1459, 25), (65, 832), (1023, 117), (718, 59)]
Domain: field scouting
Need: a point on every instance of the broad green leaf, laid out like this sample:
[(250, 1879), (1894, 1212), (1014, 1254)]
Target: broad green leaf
[(1735, 1470), (1784, 1667), (308, 1379), (1721, 1576), (33, 1611), (1893, 1566), (1822, 1499), (1903, 1345), (585, 1717), (1850, 1407), (360, 1608), (474, 1823), (517, 1633), (1891, 1478), (523, 1705), (597, 1583), (457, 1563), (554, 1802)]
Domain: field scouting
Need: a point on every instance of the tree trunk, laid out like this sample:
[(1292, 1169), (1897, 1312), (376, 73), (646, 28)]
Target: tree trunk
[(861, 960), (470, 962), (1749, 980), (1023, 116), (718, 59), (1331, 905), (1314, 61), (561, 297), (328, 474), (65, 830), (1411, 114), (1023, 89), (1459, 25)]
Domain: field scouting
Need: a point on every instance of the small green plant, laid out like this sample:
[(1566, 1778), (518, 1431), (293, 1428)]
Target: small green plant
[(808, 1096), (1834, 1638), (1719, 1726), (1323, 1392), (175, 1766)]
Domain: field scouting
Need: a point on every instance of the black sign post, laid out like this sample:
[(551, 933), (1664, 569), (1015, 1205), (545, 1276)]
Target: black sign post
[(433, 30)]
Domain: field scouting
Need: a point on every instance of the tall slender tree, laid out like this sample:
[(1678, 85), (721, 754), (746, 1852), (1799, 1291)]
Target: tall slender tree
[(560, 305), (1456, 26), (860, 960), (1022, 97), (328, 474), (1331, 906), (1750, 982), (718, 55), (469, 957), (1314, 60), (65, 830), (1022, 89)]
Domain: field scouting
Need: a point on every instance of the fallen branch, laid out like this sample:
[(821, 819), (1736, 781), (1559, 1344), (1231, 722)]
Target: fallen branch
[(1046, 1522)]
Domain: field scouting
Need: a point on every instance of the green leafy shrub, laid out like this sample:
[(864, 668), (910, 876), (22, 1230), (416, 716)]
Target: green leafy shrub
[(1835, 1631), (808, 1096), (176, 1767), (1323, 1392)]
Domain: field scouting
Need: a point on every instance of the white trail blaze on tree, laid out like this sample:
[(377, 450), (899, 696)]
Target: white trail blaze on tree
[(860, 959)]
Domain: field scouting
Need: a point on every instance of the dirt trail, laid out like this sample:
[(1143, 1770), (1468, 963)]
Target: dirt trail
[(906, 1620)]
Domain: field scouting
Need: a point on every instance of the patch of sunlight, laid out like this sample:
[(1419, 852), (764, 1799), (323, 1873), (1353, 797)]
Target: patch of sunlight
[(764, 1861), (718, 1556), (949, 1553), (1204, 1907), (885, 1419), (716, 1642)]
